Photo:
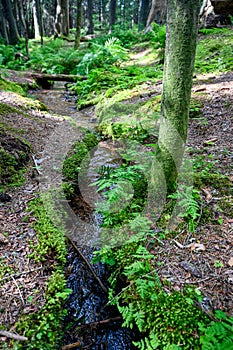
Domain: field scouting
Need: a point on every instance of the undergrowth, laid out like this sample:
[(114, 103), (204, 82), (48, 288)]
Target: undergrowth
[(44, 328)]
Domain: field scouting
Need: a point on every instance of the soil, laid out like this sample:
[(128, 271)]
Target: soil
[(204, 259)]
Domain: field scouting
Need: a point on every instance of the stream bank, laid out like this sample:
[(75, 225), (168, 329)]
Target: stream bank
[(90, 322)]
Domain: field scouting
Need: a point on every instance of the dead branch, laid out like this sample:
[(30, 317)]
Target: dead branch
[(71, 346), (99, 323), (12, 335), (89, 266)]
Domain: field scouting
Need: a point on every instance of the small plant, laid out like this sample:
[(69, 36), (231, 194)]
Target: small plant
[(219, 334), (124, 190), (187, 198), (218, 263), (44, 328)]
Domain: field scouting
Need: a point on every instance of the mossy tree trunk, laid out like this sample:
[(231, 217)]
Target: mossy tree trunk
[(182, 27)]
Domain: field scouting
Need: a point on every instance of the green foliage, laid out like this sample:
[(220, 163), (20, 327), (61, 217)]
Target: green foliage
[(165, 320), (54, 58), (187, 198), (215, 54), (127, 37), (103, 80), (71, 165), (51, 240), (101, 56), (7, 56), (219, 334), (124, 190), (10, 86), (44, 328), (158, 39), (13, 161)]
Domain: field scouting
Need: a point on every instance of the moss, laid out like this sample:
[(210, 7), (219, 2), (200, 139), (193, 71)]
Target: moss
[(90, 140), (195, 108), (218, 181), (14, 155), (6, 109), (226, 205), (30, 103), (10, 86), (72, 163)]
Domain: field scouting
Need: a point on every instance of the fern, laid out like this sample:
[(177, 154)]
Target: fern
[(150, 343), (218, 335), (189, 207)]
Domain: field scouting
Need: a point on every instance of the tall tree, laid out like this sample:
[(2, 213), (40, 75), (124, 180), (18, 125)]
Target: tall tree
[(78, 24), (157, 13), (112, 14), (90, 26), (3, 24), (62, 18), (143, 13), (13, 34), (182, 28)]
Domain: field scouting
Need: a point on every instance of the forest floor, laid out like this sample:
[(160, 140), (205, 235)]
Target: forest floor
[(204, 259)]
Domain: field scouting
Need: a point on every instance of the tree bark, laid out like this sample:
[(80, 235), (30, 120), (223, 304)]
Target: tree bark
[(65, 28), (62, 18), (90, 26), (3, 25), (182, 28), (157, 13), (78, 24), (24, 24), (112, 14), (13, 34), (143, 13)]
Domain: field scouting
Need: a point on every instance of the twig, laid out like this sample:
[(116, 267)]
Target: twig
[(36, 165), (71, 346), (18, 289), (97, 323), (12, 335), (88, 265), (20, 274)]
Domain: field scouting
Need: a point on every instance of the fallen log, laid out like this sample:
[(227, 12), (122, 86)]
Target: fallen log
[(44, 80)]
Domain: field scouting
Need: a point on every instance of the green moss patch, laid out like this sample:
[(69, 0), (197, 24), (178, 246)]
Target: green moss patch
[(14, 156), (10, 86)]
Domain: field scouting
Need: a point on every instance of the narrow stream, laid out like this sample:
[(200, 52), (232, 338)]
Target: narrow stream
[(90, 323)]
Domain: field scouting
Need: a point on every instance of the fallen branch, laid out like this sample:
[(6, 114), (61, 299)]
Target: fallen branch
[(88, 265), (98, 323), (58, 77), (12, 335), (71, 346)]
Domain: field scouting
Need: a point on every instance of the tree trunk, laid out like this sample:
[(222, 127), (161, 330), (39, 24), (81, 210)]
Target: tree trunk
[(112, 14), (182, 28), (36, 20), (13, 34), (62, 18), (24, 24), (157, 13), (65, 28), (3, 24), (90, 27), (143, 13), (78, 24)]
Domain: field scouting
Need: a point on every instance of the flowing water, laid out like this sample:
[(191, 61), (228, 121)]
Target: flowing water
[(90, 323)]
